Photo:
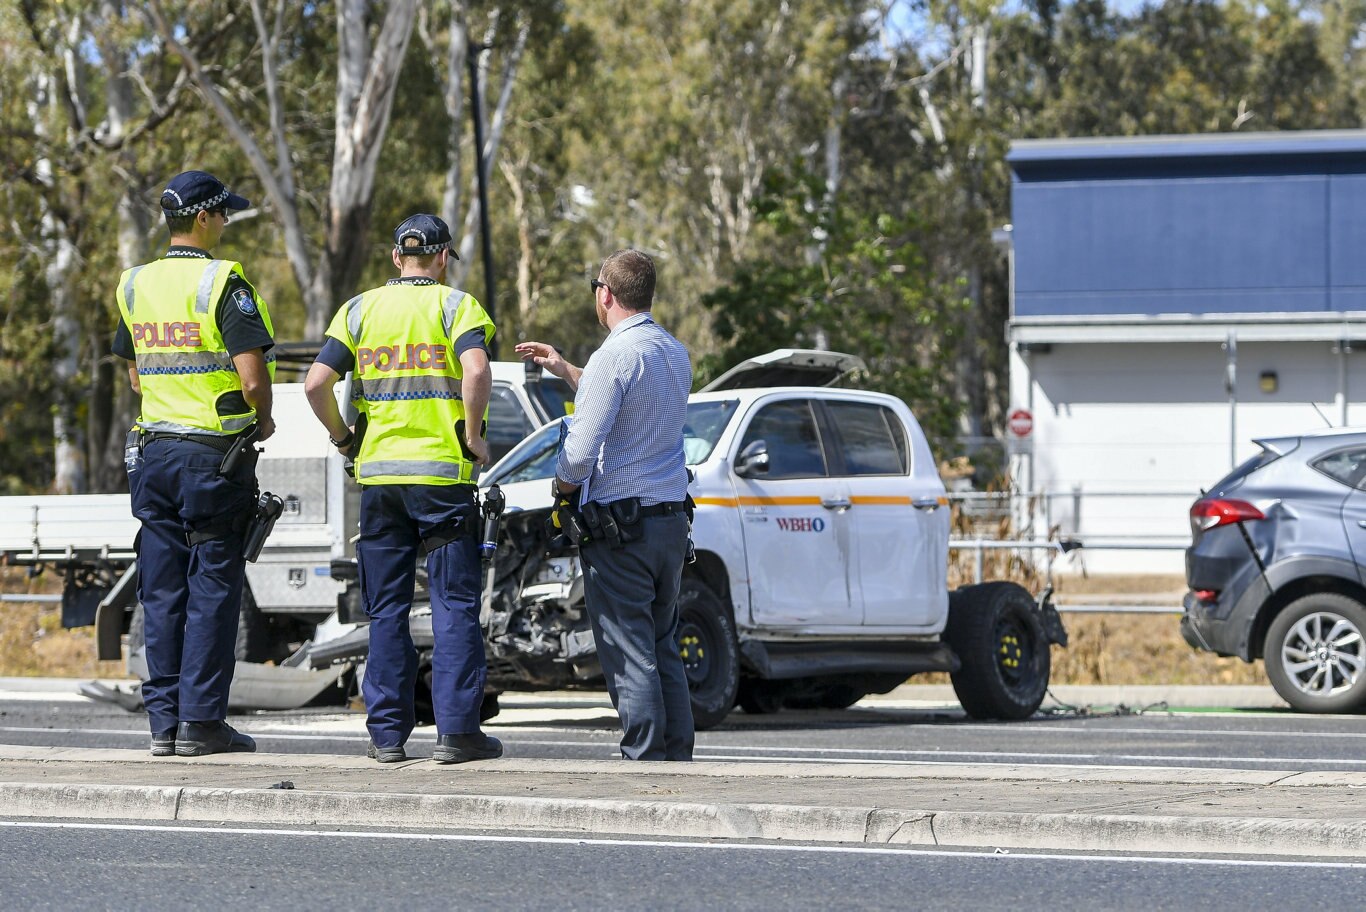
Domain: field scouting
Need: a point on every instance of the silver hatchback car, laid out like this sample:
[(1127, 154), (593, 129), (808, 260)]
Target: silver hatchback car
[(1277, 568)]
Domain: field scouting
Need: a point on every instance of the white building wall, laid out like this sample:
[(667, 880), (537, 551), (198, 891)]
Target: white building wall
[(1127, 433)]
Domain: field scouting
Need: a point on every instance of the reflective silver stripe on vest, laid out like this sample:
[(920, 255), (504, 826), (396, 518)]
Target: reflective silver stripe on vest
[(456, 471), (450, 309), (204, 298), (353, 319), (199, 362), (230, 427), (393, 387), (128, 287)]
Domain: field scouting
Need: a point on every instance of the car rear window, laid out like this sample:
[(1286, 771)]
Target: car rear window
[(1346, 466), (1235, 478)]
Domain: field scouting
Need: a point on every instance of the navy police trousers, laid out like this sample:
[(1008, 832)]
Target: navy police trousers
[(393, 521), (191, 594)]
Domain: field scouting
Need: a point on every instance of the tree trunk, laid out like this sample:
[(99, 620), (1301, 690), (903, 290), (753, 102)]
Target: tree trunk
[(112, 403), (366, 81)]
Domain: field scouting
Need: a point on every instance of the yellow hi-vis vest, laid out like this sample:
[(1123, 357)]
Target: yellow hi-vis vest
[(171, 309), (407, 380)]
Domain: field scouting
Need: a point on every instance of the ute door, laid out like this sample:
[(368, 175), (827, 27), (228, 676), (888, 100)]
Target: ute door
[(794, 519), (898, 511)]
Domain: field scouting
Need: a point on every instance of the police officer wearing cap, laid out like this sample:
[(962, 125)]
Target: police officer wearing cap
[(198, 337), (419, 356)]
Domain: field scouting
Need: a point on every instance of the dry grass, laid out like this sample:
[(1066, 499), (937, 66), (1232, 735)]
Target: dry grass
[(32, 641)]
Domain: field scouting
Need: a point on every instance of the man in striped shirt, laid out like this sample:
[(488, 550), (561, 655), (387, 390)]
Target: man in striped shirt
[(622, 460)]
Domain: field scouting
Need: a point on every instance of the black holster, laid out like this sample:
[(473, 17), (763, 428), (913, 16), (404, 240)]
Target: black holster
[(237, 450), (268, 509)]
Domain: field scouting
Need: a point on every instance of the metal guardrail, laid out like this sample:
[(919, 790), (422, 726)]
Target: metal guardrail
[(38, 598), (980, 546)]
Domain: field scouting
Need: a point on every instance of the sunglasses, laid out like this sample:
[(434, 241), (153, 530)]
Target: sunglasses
[(595, 285)]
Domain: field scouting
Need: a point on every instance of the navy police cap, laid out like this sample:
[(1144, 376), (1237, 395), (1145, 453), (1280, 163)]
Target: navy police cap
[(422, 234), (191, 192)]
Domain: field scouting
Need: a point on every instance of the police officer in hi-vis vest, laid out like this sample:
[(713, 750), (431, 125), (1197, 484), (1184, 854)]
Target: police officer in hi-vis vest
[(199, 338), (421, 381)]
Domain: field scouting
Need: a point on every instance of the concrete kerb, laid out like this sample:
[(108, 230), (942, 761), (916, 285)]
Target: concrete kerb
[(870, 826), (665, 819)]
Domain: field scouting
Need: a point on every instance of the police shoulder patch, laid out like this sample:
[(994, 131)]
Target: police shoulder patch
[(244, 301)]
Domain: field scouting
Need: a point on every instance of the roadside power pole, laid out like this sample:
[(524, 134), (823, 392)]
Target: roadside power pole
[(481, 173)]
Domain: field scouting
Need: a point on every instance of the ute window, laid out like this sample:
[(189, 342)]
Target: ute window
[(703, 427), (794, 443), (873, 438), (1346, 466)]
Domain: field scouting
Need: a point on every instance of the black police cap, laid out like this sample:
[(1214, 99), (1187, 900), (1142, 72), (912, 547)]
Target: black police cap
[(423, 234), (191, 192)]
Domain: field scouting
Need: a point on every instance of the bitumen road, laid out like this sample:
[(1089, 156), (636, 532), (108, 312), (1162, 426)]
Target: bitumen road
[(113, 865), (903, 728)]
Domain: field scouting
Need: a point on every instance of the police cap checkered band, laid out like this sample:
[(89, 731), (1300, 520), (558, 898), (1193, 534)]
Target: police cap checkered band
[(423, 234), (192, 192)]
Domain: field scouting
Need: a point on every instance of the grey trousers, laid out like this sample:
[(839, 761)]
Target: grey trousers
[(632, 595)]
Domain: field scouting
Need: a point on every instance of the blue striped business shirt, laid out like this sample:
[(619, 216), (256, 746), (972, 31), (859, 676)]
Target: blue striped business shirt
[(626, 436)]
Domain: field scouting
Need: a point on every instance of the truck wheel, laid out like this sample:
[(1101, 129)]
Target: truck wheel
[(1315, 653), (711, 657), (994, 629), (258, 640)]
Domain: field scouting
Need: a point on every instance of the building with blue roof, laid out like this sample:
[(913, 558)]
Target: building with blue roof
[(1173, 298)]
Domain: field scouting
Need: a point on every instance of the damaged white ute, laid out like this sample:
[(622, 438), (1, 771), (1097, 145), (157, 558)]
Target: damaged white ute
[(821, 534)]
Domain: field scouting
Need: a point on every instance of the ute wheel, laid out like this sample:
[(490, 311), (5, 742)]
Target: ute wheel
[(1315, 653), (711, 656), (995, 630)]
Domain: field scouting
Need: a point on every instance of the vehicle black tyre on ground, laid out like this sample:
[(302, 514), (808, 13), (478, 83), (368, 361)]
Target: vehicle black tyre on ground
[(711, 655), (1315, 653), (995, 630)]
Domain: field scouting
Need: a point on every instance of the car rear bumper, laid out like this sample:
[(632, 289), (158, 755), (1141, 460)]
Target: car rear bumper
[(1224, 626)]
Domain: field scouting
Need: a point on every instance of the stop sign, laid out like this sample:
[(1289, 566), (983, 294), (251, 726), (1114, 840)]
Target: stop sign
[(1020, 422)]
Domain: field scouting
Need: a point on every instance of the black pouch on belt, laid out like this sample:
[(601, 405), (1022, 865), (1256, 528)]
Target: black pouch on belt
[(627, 514), (601, 524)]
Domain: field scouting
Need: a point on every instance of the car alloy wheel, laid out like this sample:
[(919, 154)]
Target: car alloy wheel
[(1316, 654), (1324, 654)]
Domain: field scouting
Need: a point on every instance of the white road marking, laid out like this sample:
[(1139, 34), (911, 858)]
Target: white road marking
[(791, 754), (678, 844)]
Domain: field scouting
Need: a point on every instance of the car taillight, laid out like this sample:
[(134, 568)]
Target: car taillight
[(1216, 511)]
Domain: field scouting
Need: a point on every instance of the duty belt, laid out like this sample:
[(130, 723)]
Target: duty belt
[(662, 509), (220, 443)]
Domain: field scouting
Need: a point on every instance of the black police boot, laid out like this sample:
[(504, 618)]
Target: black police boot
[(386, 754), (464, 748), (163, 743), (197, 739)]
